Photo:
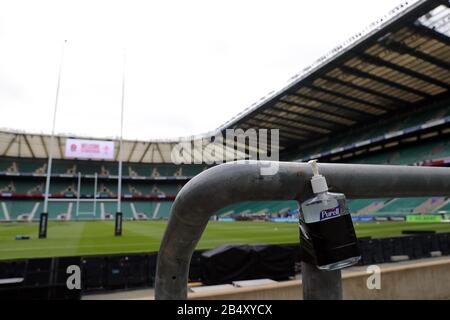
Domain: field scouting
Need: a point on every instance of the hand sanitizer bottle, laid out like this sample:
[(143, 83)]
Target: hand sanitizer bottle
[(326, 227)]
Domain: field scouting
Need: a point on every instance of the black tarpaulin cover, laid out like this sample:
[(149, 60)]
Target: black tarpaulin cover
[(228, 263)]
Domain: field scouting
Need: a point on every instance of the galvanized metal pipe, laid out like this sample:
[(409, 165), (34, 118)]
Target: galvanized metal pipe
[(240, 181)]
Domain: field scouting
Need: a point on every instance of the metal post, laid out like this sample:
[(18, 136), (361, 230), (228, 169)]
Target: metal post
[(234, 182), (319, 284), (95, 193), (44, 215), (118, 220), (78, 193)]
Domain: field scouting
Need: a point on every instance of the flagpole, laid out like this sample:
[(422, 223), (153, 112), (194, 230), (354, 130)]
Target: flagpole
[(44, 215), (118, 222)]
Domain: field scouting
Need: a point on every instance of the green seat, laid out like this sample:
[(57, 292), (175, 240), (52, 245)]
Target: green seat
[(163, 211), (402, 205), (58, 208), (252, 207), (16, 208)]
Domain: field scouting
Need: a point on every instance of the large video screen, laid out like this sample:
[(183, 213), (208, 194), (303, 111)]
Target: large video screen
[(89, 149)]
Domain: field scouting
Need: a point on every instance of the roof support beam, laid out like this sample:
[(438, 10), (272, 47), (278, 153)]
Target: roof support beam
[(284, 118), (329, 103), (362, 74), (29, 145), (10, 143), (145, 152), (401, 48), (382, 95), (152, 157), (160, 153), (409, 72), (285, 132), (421, 29), (350, 98), (289, 137), (60, 148), (294, 127), (288, 134), (117, 153), (44, 146), (329, 121), (306, 107), (245, 126), (132, 151), (20, 146), (256, 123)]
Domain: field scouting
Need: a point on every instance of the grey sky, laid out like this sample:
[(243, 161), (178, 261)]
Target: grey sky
[(191, 65)]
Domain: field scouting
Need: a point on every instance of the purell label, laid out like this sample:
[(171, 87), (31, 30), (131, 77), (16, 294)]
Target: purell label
[(317, 210), (329, 213)]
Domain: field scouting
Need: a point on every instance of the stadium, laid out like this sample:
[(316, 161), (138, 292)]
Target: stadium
[(381, 98)]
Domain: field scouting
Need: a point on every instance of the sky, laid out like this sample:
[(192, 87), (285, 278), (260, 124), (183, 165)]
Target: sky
[(190, 66)]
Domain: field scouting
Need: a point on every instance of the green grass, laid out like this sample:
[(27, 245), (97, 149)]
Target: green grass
[(96, 237)]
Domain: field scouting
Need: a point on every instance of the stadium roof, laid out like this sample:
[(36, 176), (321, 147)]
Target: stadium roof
[(400, 62), (26, 145), (31, 145)]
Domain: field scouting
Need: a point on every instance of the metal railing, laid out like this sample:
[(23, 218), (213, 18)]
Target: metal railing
[(239, 181)]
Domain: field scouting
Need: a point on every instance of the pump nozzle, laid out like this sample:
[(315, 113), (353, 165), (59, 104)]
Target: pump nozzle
[(318, 182), (314, 167)]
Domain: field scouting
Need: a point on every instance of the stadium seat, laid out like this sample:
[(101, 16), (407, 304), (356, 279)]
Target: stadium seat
[(402, 205), (22, 209), (61, 210)]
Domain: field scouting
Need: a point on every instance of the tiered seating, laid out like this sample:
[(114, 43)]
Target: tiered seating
[(17, 208), (141, 189), (11, 167), (445, 207), (430, 150), (259, 207), (127, 210), (85, 211), (402, 205), (111, 209), (30, 165), (169, 189), (430, 205), (163, 211), (192, 170), (378, 129), (7, 186), (147, 208), (107, 189), (4, 165), (62, 187), (58, 208), (22, 165), (410, 155), (102, 168), (365, 205), (33, 188), (162, 170), (63, 167)]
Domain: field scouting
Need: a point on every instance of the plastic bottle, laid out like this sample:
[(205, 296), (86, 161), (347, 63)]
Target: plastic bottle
[(326, 227)]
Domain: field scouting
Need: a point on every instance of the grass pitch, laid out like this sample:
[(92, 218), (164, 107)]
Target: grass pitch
[(97, 237)]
